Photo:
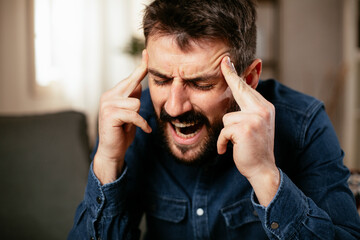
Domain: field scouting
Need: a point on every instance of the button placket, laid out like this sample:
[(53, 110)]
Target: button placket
[(200, 214)]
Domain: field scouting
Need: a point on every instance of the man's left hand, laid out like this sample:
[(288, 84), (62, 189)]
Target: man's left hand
[(251, 130)]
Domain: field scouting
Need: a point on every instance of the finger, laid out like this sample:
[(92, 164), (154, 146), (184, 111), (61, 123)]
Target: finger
[(236, 117), (123, 103), (223, 139), (131, 117), (128, 85), (243, 94), (117, 117)]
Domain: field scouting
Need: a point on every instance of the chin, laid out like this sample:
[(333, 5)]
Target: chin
[(193, 155), (184, 154)]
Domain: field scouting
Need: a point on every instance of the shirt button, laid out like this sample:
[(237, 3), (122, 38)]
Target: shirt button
[(274, 225), (98, 200), (199, 212)]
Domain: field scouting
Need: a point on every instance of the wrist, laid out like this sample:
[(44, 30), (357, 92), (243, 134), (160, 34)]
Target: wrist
[(107, 170), (265, 184)]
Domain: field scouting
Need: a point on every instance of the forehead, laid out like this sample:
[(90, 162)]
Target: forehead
[(201, 57)]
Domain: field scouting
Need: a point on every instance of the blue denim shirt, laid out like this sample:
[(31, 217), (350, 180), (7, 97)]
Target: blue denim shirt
[(214, 201)]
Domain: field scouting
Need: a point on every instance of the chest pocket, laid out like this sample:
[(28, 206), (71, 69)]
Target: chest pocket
[(242, 221), (239, 213), (166, 208), (165, 217)]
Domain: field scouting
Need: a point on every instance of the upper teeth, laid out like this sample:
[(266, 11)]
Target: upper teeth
[(182, 125)]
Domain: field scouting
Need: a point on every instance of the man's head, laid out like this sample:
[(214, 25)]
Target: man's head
[(230, 21), (186, 42)]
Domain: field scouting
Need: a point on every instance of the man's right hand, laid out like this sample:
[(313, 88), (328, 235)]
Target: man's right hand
[(118, 119)]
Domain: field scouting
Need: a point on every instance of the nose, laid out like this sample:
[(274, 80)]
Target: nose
[(178, 101)]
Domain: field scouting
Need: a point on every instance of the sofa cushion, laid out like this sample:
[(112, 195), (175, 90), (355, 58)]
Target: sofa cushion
[(44, 161)]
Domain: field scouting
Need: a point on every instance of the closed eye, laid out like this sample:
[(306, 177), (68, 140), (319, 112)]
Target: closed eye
[(201, 86), (161, 82)]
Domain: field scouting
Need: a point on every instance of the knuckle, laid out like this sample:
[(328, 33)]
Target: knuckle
[(134, 117), (265, 114), (105, 96), (225, 118), (131, 114), (106, 112), (257, 123), (252, 126), (137, 103), (222, 133), (105, 108), (247, 129)]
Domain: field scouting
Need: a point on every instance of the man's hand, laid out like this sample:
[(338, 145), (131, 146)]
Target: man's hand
[(251, 130), (118, 118)]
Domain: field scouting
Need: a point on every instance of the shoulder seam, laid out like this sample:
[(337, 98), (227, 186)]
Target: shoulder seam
[(309, 115)]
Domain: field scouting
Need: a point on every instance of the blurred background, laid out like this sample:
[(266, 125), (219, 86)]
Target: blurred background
[(58, 56)]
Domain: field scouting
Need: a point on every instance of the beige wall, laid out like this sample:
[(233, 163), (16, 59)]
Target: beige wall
[(311, 50), (311, 46), (16, 90)]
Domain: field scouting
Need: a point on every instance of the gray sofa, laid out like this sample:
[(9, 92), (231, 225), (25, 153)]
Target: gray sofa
[(44, 161)]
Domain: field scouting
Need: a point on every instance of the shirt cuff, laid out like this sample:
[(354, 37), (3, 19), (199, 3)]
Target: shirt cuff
[(108, 198), (283, 216)]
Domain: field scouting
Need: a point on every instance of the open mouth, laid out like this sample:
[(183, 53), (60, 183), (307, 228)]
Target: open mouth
[(187, 130)]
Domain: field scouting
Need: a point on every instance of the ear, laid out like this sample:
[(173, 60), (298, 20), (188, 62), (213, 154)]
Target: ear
[(252, 73)]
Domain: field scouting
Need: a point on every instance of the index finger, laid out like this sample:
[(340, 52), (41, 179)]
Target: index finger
[(243, 94), (128, 85)]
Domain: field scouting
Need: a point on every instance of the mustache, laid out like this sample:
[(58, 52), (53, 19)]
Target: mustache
[(190, 116)]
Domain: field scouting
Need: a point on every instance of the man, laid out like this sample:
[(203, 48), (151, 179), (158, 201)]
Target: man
[(203, 154)]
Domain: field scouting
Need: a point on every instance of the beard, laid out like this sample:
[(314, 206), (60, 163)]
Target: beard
[(207, 150)]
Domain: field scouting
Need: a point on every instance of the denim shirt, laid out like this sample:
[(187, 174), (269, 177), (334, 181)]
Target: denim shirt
[(214, 201)]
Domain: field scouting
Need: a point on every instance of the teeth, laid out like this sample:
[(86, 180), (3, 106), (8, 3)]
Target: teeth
[(185, 135), (178, 126), (182, 125)]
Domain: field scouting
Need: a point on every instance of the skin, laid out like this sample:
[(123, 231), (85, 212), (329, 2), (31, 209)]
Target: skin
[(176, 92), (251, 130)]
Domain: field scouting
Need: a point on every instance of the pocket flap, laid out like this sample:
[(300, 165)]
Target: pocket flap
[(239, 213), (166, 208)]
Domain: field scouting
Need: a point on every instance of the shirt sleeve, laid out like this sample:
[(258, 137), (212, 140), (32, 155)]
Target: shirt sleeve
[(292, 215), (102, 214), (315, 203)]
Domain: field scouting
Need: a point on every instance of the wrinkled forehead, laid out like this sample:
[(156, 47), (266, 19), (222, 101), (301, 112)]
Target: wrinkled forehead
[(198, 58)]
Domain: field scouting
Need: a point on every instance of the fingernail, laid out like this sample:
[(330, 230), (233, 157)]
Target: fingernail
[(228, 61), (230, 64)]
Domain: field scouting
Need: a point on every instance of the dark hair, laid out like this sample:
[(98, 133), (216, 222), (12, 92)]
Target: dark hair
[(231, 21)]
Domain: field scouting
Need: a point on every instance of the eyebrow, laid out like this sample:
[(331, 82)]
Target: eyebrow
[(159, 74), (196, 79)]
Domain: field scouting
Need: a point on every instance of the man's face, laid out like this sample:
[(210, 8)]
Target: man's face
[(189, 94)]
